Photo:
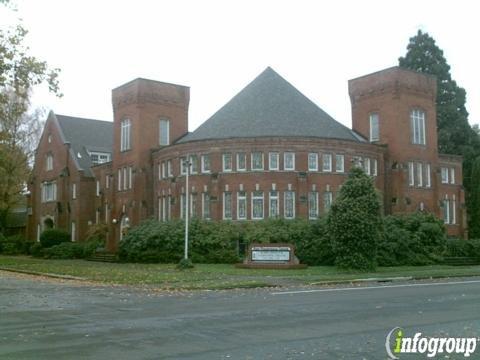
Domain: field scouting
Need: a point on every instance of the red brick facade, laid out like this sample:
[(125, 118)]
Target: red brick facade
[(137, 184)]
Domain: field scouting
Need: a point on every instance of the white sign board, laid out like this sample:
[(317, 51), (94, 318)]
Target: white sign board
[(274, 253)]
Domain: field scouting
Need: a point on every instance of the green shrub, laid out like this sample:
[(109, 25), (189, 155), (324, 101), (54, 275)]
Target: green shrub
[(463, 248), (412, 239), (185, 264), (52, 237), (354, 223), (65, 250), (97, 233), (36, 250), (14, 245)]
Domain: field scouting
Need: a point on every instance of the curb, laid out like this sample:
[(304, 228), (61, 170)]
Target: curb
[(56, 276)]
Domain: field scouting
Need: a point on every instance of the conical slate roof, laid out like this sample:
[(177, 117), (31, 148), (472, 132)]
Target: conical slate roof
[(270, 106)]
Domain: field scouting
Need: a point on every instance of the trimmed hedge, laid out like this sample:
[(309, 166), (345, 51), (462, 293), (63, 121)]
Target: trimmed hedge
[(52, 237), (14, 245), (463, 248)]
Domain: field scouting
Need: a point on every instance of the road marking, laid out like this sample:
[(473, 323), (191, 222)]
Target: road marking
[(375, 287)]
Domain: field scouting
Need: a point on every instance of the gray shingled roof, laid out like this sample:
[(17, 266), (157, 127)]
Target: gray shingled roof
[(86, 135), (270, 106)]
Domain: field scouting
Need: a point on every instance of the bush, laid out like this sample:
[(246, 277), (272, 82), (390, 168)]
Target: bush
[(65, 250), (354, 223), (14, 245), (36, 250), (412, 239), (52, 237), (463, 248), (185, 264), (97, 233)]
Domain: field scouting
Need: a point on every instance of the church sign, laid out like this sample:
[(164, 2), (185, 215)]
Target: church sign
[(271, 256)]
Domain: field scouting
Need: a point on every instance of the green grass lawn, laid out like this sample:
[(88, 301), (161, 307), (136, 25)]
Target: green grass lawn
[(218, 276)]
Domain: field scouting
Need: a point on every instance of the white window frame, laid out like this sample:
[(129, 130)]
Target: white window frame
[(224, 162), (183, 166), (49, 191), (183, 205), (417, 123), (130, 177), (163, 173), (253, 154), (206, 215), (193, 159), (119, 179), (271, 157), (312, 160), (374, 127), (107, 181), (313, 199), (419, 174), (375, 167), (244, 155), (444, 172), (286, 155), (285, 199), (273, 195), (125, 134), (446, 210), (428, 176), (164, 133), (73, 231), (327, 165), (454, 210), (125, 183), (74, 191), (452, 175), (242, 197), (97, 188), (225, 215), (411, 173), (169, 168), (101, 157), (340, 159), (366, 165), (327, 200), (256, 196), (205, 160)]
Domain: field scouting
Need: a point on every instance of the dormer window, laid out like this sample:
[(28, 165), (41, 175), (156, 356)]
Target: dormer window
[(374, 127), (417, 124), (99, 158), (164, 132), (125, 135)]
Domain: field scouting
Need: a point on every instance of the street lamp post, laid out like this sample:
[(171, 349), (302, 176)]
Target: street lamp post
[(187, 165)]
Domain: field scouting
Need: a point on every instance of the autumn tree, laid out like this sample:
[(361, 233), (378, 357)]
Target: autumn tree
[(455, 135), (20, 72)]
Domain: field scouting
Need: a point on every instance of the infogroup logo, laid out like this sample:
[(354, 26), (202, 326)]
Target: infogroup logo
[(397, 343)]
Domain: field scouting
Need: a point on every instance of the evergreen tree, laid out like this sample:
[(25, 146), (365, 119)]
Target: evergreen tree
[(354, 223), (474, 229), (455, 135)]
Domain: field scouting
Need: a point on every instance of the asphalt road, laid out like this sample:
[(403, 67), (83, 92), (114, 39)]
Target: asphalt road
[(49, 320)]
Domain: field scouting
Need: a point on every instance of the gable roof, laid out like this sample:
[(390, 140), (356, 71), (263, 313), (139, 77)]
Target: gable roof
[(270, 106), (86, 135)]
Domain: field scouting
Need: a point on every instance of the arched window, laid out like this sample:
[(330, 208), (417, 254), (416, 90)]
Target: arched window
[(125, 135), (417, 125)]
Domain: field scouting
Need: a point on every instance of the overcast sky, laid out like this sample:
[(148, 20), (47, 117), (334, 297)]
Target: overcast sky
[(218, 47)]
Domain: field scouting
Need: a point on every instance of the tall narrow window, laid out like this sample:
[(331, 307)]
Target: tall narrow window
[(130, 177), (327, 162), (164, 135), (242, 205), (289, 161), (227, 205), (419, 174), (366, 165), (206, 206), (313, 162), (289, 204), (454, 210), (374, 167), (49, 165), (183, 166), (205, 163), (241, 162), (257, 205), (444, 174), (164, 208), (183, 206), (160, 212), (411, 174), (73, 231), (339, 163), (125, 135), (313, 205), (119, 180), (169, 207), (428, 179), (374, 127), (273, 161), (74, 191), (227, 162), (257, 161), (327, 200), (417, 123), (446, 210), (193, 205), (452, 175), (97, 191), (162, 173), (193, 164), (169, 168), (125, 183), (273, 204), (49, 191), (107, 181)]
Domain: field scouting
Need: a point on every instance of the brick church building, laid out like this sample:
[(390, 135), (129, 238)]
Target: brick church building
[(269, 152)]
